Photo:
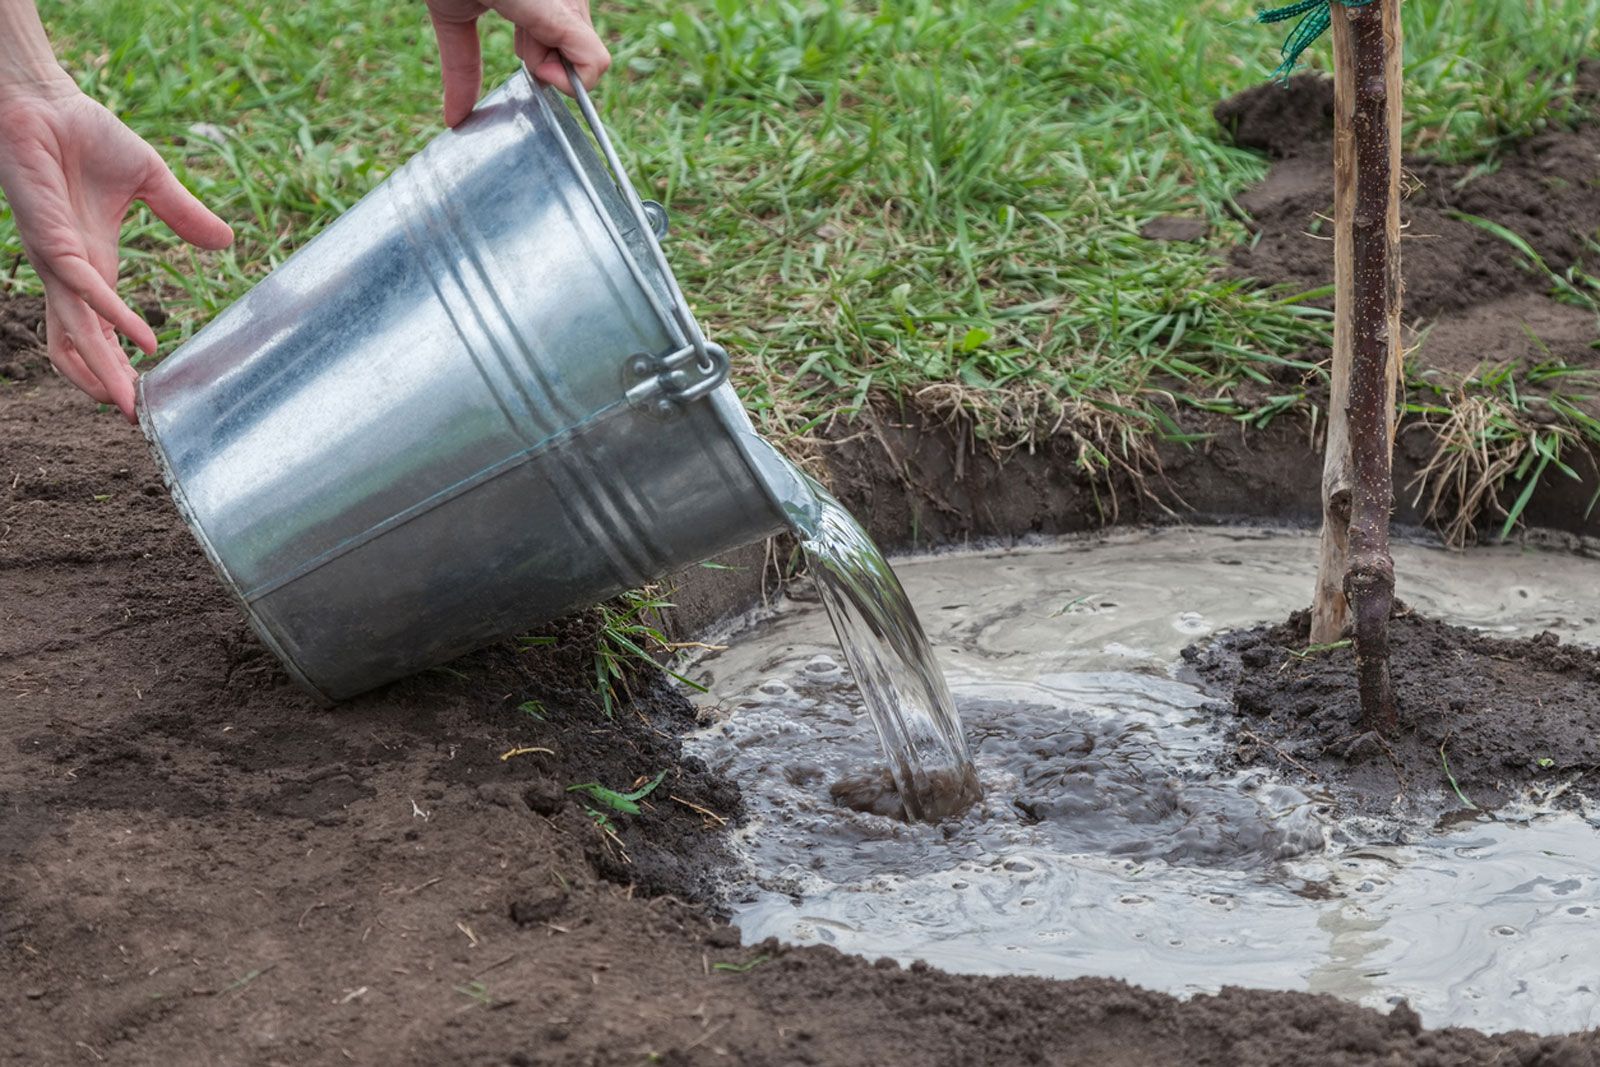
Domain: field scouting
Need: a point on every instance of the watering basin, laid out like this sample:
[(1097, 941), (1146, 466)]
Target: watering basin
[(1107, 841)]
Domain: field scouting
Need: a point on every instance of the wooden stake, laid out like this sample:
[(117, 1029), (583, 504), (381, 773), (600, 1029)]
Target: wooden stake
[(1330, 609), (1356, 573), (1328, 606)]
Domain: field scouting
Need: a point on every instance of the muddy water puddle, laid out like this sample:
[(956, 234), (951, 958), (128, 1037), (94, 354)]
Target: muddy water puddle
[(1106, 843)]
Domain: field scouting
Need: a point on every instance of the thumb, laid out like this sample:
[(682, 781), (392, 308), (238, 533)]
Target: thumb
[(181, 210)]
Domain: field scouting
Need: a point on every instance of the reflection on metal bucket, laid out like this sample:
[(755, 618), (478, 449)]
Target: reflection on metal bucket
[(476, 401)]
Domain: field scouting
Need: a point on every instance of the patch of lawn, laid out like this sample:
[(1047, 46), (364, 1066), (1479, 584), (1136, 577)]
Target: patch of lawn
[(904, 199)]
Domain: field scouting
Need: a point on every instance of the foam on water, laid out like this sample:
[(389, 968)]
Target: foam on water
[(1106, 844)]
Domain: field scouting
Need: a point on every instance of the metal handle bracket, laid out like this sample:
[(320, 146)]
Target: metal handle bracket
[(661, 385), (688, 329)]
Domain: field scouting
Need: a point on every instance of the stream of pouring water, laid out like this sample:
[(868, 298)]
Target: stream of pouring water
[(931, 775)]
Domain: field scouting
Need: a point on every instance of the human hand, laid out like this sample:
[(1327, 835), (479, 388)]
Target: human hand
[(71, 171), (546, 31)]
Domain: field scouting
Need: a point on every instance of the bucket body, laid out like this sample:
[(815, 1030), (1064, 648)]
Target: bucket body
[(460, 410)]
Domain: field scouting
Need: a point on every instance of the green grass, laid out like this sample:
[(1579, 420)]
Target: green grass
[(1317, 650), (630, 632), (1507, 426), (907, 199), (741, 968), (1444, 761), (625, 803)]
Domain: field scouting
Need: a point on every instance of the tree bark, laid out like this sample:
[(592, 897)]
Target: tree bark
[(1367, 92)]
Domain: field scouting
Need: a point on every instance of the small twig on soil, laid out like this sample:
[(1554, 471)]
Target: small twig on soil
[(1281, 754), (301, 924), (1312, 650), (609, 837), (648, 725), (523, 750), (493, 966), (707, 812), (707, 1036)]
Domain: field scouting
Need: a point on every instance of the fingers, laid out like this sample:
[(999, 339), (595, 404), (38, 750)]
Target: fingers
[(182, 211), (76, 274), (589, 57), (85, 351), (66, 360), (546, 32), (542, 61), (545, 64), (461, 62)]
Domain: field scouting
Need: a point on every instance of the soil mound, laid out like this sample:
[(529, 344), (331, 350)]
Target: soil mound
[(1460, 276), (1499, 715), (1281, 120)]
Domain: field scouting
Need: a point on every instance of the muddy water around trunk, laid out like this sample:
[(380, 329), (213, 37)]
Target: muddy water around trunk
[(1107, 842)]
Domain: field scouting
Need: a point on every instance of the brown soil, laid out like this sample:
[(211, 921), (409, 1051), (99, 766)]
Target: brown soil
[(1508, 714), (1472, 302), (1470, 297), (199, 865)]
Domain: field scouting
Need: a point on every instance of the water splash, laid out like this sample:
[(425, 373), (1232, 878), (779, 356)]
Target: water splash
[(930, 775)]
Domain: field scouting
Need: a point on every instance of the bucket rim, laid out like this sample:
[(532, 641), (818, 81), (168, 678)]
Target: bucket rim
[(729, 410), (186, 512)]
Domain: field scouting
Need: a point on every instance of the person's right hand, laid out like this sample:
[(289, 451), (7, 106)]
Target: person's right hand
[(71, 170), (546, 31)]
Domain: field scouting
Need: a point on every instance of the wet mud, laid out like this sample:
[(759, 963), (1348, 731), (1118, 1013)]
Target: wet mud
[(945, 795), (1498, 715)]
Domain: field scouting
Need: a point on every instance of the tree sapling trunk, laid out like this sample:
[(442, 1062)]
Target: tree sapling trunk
[(1358, 490)]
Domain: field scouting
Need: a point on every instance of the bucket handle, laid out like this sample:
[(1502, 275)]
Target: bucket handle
[(711, 359)]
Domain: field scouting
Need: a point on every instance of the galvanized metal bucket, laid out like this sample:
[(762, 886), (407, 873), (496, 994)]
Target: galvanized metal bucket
[(475, 402)]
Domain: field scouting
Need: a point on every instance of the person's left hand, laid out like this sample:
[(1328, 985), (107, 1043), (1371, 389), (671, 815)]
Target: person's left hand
[(71, 171), (546, 31)]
